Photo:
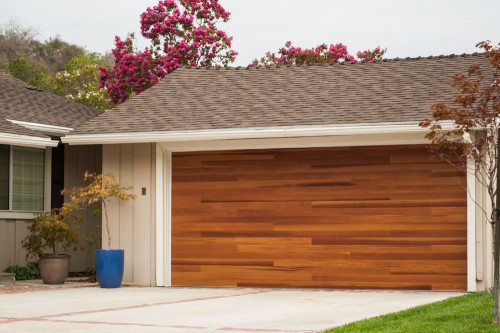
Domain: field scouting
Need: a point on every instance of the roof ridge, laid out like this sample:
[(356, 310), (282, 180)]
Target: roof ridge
[(442, 56)]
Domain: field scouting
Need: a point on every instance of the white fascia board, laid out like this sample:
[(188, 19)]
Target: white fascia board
[(43, 128), (245, 133), (27, 141)]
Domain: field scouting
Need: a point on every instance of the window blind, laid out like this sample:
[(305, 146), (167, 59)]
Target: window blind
[(28, 179)]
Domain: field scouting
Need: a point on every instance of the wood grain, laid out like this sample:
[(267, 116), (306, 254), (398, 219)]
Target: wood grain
[(353, 217)]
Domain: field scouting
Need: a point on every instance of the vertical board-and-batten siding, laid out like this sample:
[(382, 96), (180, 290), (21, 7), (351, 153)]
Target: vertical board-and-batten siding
[(132, 223), (12, 232), (77, 160)]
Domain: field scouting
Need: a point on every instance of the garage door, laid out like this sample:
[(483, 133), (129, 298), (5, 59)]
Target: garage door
[(355, 217)]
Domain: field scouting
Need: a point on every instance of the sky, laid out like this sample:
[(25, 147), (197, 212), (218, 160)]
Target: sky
[(407, 28)]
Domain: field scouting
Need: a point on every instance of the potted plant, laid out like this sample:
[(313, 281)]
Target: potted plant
[(102, 188), (52, 230)]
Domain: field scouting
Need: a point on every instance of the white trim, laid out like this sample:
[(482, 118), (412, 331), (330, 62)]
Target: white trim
[(17, 215), (48, 179), (471, 226), (160, 219), (303, 142), (27, 141), (246, 133), (43, 128), (479, 199), (168, 216), (11, 175)]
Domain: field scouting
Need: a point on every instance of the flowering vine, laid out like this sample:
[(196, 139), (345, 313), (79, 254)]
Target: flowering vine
[(290, 55), (181, 32)]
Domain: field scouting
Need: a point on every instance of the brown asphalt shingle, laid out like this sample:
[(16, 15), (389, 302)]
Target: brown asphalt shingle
[(201, 99), (18, 102)]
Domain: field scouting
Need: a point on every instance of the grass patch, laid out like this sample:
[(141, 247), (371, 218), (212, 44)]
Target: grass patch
[(468, 313)]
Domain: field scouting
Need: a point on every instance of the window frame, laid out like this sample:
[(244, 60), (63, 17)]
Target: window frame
[(27, 214)]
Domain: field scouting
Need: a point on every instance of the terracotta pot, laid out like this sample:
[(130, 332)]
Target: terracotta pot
[(54, 268)]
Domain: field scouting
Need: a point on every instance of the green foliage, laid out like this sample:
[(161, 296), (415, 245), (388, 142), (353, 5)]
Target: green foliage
[(468, 313), (80, 81), (53, 65), (77, 63), (35, 74), (53, 228), (55, 53), (97, 213), (91, 243), (93, 274), (28, 272)]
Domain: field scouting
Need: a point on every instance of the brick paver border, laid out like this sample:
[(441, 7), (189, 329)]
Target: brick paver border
[(56, 318), (18, 289)]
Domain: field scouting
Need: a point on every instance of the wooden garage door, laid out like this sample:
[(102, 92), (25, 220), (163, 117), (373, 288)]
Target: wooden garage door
[(358, 217)]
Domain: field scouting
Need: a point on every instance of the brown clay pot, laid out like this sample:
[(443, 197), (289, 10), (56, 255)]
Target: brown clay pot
[(54, 268)]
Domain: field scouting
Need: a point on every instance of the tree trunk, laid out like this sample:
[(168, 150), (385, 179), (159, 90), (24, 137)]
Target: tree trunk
[(107, 223), (496, 252), (496, 240)]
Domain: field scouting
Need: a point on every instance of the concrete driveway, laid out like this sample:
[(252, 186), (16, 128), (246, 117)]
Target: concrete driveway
[(129, 309)]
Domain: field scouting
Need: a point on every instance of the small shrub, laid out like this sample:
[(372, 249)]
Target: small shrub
[(52, 228), (28, 272)]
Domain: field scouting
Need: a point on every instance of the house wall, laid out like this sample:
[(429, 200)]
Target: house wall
[(77, 160), (12, 232), (132, 223), (483, 240)]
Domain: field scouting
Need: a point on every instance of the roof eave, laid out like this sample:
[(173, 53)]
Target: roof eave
[(27, 141), (244, 133), (43, 128)]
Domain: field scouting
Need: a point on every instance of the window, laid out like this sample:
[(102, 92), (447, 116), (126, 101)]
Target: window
[(22, 178)]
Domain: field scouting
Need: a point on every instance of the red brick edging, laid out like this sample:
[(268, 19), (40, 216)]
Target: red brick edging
[(53, 318)]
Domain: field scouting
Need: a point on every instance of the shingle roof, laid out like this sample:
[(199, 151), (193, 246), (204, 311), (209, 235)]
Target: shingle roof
[(396, 90), (18, 101)]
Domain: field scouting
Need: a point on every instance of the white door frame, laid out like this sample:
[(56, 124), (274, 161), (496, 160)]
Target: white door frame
[(164, 152), (163, 169)]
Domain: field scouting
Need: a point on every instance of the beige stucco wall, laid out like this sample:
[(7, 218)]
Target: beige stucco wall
[(132, 223)]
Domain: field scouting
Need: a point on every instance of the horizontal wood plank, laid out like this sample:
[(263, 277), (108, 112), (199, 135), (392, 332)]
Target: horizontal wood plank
[(386, 217)]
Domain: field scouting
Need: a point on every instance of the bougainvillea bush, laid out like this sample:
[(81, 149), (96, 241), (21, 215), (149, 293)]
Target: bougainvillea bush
[(181, 32), (291, 55)]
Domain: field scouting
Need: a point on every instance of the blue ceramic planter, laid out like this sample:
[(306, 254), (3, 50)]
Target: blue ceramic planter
[(109, 267)]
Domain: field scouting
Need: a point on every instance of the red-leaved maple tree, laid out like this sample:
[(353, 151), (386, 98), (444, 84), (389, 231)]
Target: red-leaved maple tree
[(467, 134)]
